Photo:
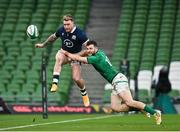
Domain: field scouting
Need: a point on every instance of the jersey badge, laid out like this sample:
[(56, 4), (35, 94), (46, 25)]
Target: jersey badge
[(74, 37)]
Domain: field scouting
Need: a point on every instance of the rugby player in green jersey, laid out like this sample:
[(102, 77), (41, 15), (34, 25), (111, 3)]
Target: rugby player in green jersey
[(120, 91)]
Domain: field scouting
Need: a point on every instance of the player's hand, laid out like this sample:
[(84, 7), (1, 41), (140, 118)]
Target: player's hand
[(39, 45), (63, 51)]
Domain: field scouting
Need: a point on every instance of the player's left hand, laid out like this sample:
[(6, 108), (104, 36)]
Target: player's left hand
[(62, 51)]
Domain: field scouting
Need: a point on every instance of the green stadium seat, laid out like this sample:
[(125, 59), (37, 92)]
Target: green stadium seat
[(8, 27), (23, 66), (10, 63), (21, 27), (37, 95), (10, 44), (146, 65), (54, 97), (26, 2), (22, 58), (23, 97), (106, 96), (3, 6), (19, 78), (16, 2), (13, 51), (9, 97), (49, 28), (29, 88), (7, 67), (8, 58), (25, 13), (11, 19), (6, 74), (2, 88), (13, 88), (144, 96), (174, 93), (2, 52)]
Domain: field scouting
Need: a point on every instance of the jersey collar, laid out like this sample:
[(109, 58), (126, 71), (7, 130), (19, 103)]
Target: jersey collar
[(96, 52), (74, 28)]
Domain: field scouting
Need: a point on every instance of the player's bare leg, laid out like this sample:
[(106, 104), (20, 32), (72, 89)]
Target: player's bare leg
[(116, 104), (128, 100), (76, 75), (60, 60)]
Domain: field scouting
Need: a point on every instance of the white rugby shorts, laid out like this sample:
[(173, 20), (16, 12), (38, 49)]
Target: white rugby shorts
[(120, 83)]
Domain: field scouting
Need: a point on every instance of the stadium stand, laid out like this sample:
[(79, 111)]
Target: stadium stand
[(148, 36), (20, 62)]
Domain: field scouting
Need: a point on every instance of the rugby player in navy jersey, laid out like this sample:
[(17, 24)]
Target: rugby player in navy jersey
[(72, 39), (120, 91)]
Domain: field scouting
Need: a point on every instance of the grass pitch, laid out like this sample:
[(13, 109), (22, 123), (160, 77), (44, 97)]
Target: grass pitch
[(88, 122)]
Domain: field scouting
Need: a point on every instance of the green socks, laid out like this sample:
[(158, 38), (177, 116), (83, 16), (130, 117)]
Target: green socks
[(149, 110)]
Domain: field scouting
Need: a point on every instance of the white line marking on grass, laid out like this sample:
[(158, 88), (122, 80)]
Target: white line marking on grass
[(57, 122)]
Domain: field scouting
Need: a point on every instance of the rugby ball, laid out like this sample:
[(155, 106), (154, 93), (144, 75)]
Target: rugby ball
[(32, 31)]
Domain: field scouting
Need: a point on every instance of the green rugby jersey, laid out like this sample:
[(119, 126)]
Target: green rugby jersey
[(102, 64)]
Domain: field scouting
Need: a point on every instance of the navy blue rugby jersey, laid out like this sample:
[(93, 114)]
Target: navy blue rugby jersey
[(73, 41)]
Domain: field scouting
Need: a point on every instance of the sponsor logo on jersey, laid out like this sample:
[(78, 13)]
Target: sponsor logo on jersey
[(68, 43)]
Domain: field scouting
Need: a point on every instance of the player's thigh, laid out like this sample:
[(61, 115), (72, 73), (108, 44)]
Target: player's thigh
[(115, 99), (76, 70), (121, 88), (61, 58), (126, 96)]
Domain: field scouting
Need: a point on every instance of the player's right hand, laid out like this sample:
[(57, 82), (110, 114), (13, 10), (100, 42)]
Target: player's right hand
[(39, 45)]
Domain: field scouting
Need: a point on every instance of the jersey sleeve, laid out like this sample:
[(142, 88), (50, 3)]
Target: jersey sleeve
[(92, 59), (58, 32)]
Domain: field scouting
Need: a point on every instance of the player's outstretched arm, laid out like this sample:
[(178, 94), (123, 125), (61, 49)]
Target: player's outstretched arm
[(75, 56), (83, 53), (50, 39)]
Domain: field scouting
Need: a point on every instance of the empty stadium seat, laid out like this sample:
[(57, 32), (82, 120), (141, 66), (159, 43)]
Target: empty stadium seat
[(144, 85), (174, 73), (145, 79), (107, 94)]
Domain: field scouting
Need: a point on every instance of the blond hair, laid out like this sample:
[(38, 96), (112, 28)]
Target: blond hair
[(68, 17)]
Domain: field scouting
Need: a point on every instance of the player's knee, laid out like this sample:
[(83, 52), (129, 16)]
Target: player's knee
[(114, 107), (129, 103), (59, 60), (76, 79)]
